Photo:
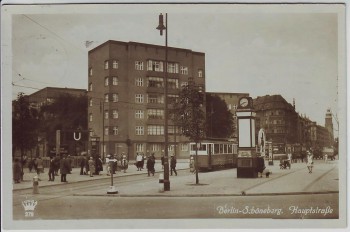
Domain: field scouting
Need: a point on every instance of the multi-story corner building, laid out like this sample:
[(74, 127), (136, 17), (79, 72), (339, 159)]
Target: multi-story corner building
[(231, 100), (126, 96), (279, 120)]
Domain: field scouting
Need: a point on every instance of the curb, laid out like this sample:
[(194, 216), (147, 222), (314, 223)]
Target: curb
[(207, 195), (79, 181)]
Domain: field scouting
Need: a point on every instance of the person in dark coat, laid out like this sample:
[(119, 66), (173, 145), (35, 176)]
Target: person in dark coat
[(17, 171), (98, 165), (52, 167), (150, 165), (82, 164), (162, 160), (64, 168), (173, 165), (57, 160)]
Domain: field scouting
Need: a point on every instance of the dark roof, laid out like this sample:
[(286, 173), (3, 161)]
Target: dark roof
[(271, 102), (143, 44)]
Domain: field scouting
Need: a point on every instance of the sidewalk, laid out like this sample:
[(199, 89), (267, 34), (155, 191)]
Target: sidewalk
[(76, 177), (296, 180)]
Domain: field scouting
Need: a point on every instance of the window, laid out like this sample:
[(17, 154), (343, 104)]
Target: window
[(106, 64), (139, 98), (91, 133), (106, 97), (173, 83), (90, 117), (171, 147), (106, 130), (200, 73), (156, 98), (139, 81), (90, 87), (184, 147), (90, 102), (173, 98), (153, 65), (115, 80), (172, 129), (184, 84), (90, 71), (140, 130), (139, 114), (138, 65), (155, 113), (173, 68), (229, 106), (115, 130), (106, 81), (156, 82), (106, 114), (155, 147), (115, 64), (155, 130), (115, 97), (115, 114), (184, 70), (139, 147)]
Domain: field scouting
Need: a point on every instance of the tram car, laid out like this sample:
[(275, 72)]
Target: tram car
[(214, 155)]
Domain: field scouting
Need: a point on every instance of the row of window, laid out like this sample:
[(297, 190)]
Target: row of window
[(155, 82), (156, 147), (140, 130), (152, 65)]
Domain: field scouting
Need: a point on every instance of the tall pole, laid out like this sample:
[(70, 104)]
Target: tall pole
[(103, 130), (166, 160), (161, 27)]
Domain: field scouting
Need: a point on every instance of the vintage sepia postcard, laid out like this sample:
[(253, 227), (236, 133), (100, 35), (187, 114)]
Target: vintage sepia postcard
[(159, 115)]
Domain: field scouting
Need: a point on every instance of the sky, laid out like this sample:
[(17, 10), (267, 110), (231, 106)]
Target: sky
[(260, 50)]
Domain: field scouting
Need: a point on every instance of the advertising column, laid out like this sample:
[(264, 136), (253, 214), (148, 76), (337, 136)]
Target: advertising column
[(247, 157)]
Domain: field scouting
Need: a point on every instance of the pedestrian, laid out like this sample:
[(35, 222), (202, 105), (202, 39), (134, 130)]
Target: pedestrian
[(64, 168), (112, 165), (17, 171), (192, 165), (39, 166), (310, 162), (30, 165), (162, 161), (150, 165), (108, 165), (82, 161), (35, 165), (325, 158), (124, 163), (173, 165), (98, 165), (87, 169), (91, 163), (138, 161), (52, 169), (57, 161), (143, 161), (69, 161)]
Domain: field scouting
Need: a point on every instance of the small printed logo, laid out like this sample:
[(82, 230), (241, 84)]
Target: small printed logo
[(29, 206)]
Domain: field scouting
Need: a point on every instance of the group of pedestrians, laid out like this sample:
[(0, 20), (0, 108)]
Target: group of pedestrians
[(112, 163), (90, 165)]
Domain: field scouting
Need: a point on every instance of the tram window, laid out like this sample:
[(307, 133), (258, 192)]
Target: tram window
[(216, 149), (221, 149), (203, 147)]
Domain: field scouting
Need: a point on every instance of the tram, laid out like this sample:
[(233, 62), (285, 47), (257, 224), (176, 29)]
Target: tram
[(214, 155)]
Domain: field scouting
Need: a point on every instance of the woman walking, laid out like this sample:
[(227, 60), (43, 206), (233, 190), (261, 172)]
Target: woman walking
[(17, 171), (310, 162), (91, 166)]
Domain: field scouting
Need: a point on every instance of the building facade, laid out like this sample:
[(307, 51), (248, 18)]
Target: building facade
[(126, 96), (231, 100)]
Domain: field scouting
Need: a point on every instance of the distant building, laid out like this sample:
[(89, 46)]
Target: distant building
[(48, 94), (126, 96), (231, 100), (286, 128), (329, 124)]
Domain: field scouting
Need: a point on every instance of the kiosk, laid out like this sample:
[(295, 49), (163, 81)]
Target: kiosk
[(247, 156)]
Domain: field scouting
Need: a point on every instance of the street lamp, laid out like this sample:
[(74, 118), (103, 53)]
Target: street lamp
[(161, 27)]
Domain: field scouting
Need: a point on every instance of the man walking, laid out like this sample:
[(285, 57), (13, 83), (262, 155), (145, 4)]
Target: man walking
[(173, 165), (52, 169), (64, 168)]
